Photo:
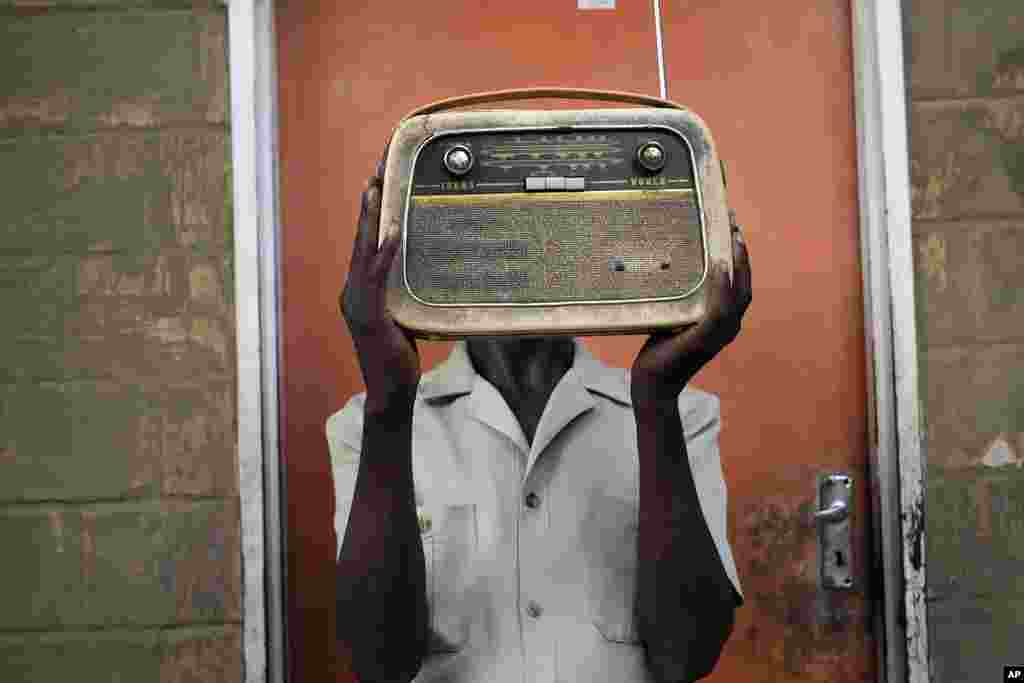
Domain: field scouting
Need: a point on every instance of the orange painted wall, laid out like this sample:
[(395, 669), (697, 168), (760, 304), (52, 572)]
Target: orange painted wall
[(776, 89)]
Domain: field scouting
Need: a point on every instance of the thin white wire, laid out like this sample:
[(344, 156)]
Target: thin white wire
[(661, 50)]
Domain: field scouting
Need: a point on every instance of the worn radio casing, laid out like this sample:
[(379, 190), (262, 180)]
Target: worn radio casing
[(518, 245)]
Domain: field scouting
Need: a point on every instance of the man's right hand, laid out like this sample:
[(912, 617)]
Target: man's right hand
[(387, 354)]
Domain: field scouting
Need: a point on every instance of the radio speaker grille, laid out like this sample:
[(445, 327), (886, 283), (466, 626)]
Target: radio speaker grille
[(551, 248)]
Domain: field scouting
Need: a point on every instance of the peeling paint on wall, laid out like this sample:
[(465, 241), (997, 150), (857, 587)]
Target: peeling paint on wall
[(88, 547), (1001, 124), (941, 179), (933, 260), (1000, 454), (57, 526), (1009, 71)]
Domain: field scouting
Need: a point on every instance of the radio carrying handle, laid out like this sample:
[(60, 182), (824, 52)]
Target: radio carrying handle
[(543, 93)]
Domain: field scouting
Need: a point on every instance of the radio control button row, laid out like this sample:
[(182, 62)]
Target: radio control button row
[(548, 184)]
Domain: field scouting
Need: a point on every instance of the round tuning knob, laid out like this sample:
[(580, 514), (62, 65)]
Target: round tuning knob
[(458, 160), (651, 155)]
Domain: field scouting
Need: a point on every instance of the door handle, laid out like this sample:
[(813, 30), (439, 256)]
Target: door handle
[(834, 507), (835, 512)]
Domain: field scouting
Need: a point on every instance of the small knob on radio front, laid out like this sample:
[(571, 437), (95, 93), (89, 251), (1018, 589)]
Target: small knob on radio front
[(651, 155), (458, 160)]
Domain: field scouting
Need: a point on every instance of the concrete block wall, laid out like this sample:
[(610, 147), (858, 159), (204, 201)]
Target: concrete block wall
[(966, 110), (119, 509)]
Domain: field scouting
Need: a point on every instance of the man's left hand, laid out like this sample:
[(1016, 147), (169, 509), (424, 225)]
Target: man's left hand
[(668, 361)]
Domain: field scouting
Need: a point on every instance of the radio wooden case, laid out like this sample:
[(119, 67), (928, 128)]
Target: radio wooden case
[(556, 222)]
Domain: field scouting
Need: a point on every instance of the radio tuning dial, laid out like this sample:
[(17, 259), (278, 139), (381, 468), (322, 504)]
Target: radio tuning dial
[(651, 155), (458, 160)]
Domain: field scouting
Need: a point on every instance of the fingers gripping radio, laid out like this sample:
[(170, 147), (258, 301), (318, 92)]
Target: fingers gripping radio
[(517, 222)]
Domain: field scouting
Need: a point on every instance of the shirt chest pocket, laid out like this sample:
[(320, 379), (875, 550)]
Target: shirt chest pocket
[(609, 536), (449, 547)]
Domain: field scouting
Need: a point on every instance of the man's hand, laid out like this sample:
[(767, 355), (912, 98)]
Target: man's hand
[(381, 575), (387, 354), (668, 361), (685, 605)]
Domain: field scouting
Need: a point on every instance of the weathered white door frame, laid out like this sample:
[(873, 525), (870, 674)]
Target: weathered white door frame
[(887, 264), (254, 139)]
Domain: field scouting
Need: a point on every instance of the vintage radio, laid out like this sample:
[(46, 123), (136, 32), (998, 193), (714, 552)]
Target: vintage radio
[(523, 222)]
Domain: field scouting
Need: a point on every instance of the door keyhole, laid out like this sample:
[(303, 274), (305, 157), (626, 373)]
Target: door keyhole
[(840, 560)]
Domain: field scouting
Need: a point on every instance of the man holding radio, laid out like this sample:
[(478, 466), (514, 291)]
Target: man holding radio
[(523, 512)]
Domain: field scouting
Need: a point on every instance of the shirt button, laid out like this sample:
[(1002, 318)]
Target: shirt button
[(533, 609), (532, 500)]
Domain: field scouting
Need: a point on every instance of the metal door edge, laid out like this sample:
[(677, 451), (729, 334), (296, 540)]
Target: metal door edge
[(254, 139), (896, 458)]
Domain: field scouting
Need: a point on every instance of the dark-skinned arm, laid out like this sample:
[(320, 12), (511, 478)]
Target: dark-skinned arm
[(381, 574), (381, 571), (685, 600)]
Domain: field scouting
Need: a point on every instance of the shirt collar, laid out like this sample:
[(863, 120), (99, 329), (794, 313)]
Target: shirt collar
[(456, 375)]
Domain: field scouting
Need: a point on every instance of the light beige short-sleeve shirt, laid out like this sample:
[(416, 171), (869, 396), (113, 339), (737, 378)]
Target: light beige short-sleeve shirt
[(531, 548)]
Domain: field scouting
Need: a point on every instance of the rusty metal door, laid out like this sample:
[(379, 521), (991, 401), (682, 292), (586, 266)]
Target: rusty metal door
[(775, 84)]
